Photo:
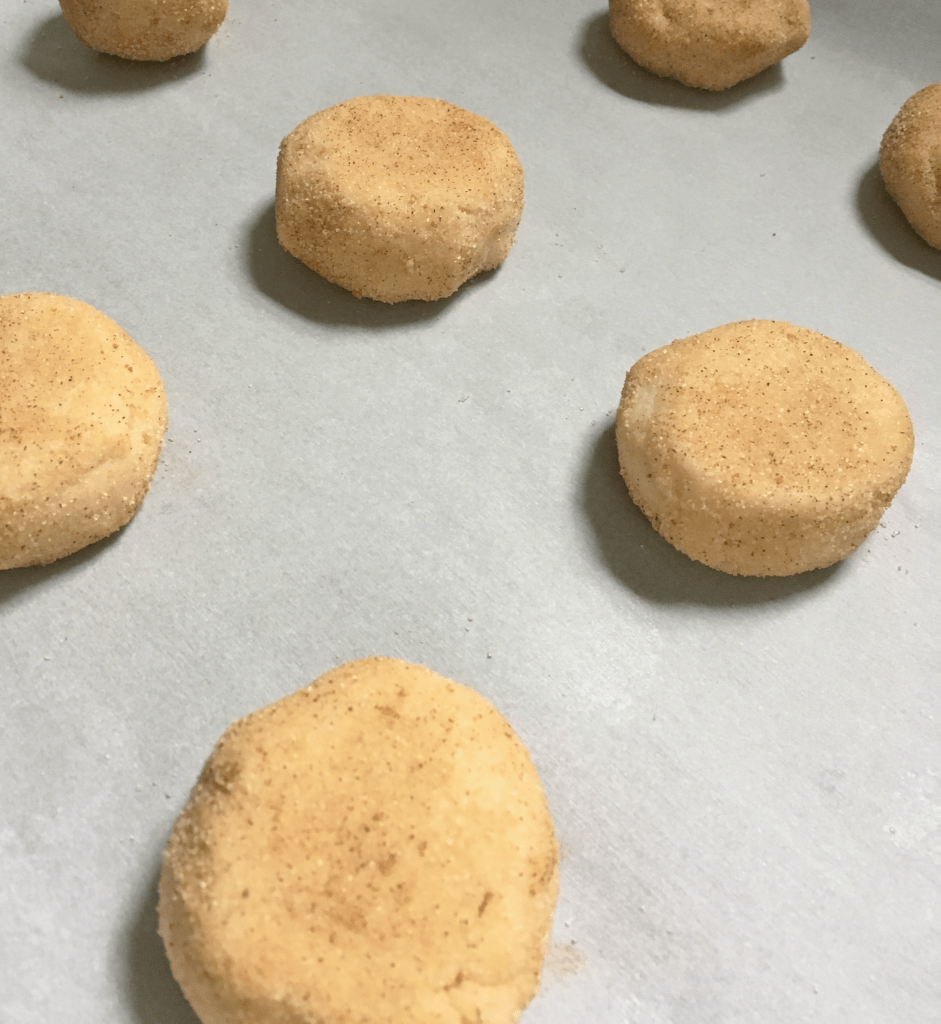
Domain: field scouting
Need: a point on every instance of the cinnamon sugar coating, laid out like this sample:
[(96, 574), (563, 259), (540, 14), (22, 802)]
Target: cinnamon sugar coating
[(82, 418), (144, 29), (374, 847), (910, 161), (398, 197), (761, 448), (709, 44)]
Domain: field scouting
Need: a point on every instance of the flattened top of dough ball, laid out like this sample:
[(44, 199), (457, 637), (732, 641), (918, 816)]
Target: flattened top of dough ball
[(761, 448), (910, 161), (82, 418), (375, 847), (144, 29), (398, 197), (764, 405), (709, 44)]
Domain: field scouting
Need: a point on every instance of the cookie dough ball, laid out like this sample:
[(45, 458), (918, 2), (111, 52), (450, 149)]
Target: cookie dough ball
[(398, 197), (910, 161), (82, 419), (760, 448), (709, 44), (144, 29), (375, 847)]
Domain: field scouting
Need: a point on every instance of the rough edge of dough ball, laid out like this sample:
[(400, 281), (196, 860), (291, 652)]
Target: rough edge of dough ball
[(83, 472), (705, 45), (910, 162), (144, 29), (409, 222), (308, 840), (689, 424)]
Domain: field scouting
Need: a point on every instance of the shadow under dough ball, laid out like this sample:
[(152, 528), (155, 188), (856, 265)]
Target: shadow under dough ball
[(144, 29), (374, 847), (761, 448), (398, 197), (709, 44), (82, 418), (910, 162)]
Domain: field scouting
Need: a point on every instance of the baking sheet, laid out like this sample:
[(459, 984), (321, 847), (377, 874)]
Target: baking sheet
[(745, 775)]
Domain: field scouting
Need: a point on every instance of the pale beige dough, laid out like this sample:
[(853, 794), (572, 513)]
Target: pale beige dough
[(910, 161), (398, 197), (710, 44), (375, 847), (82, 418), (144, 29), (761, 448)]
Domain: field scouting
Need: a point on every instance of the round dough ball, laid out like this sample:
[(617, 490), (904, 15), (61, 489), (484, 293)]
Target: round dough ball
[(82, 419), (910, 161), (144, 29), (709, 44), (760, 448), (374, 847), (398, 197)]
